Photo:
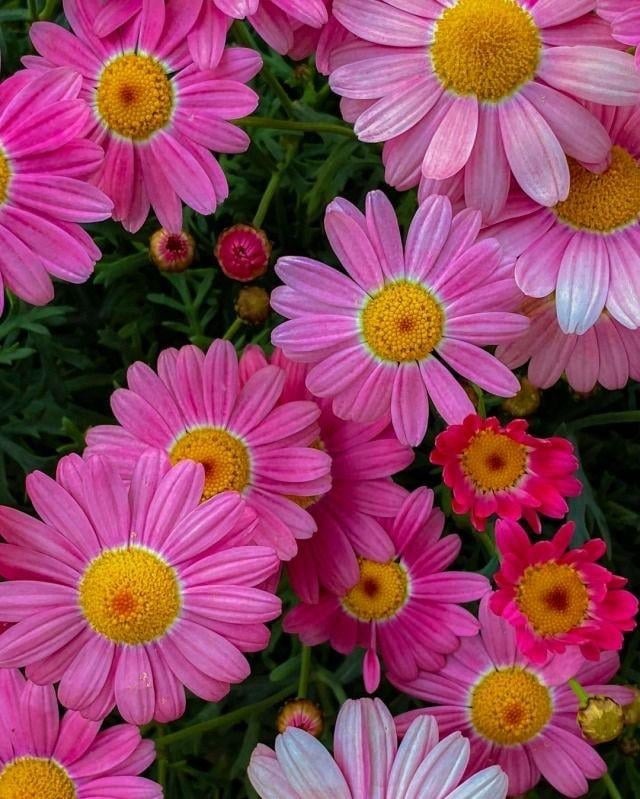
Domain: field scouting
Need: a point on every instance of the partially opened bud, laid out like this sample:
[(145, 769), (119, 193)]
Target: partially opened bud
[(252, 305), (601, 719), (172, 252), (303, 714), (243, 252)]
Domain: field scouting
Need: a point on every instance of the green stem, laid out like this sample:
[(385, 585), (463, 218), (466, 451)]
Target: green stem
[(487, 542), (579, 691), (233, 329), (606, 419), (33, 10), (244, 37), (305, 672), (614, 793), (49, 10), (273, 185), (242, 714), (295, 125)]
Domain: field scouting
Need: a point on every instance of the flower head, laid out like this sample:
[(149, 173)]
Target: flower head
[(172, 252), (382, 337), (303, 714), (516, 713), (45, 165), (481, 90), (368, 762), (195, 408), (625, 22), (493, 469), (243, 252), (406, 608), (127, 594), (155, 113), (50, 757), (557, 597)]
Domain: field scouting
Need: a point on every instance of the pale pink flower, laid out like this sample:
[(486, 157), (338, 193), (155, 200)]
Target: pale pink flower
[(624, 16)]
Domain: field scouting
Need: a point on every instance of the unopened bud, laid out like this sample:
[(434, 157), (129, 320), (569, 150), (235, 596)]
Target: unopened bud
[(302, 714), (632, 710), (601, 719), (172, 252), (243, 252), (525, 402), (252, 305)]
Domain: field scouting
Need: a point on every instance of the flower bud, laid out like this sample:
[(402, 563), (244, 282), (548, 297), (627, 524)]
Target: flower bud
[(303, 714), (525, 402), (632, 710), (601, 719), (243, 252), (252, 305), (172, 252)]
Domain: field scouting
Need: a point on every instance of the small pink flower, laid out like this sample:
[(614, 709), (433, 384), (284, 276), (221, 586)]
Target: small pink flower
[(45, 165), (243, 252), (127, 594), (383, 338), (608, 353), (64, 758), (556, 597), (481, 90), (406, 609), (367, 762), (506, 471), (516, 713)]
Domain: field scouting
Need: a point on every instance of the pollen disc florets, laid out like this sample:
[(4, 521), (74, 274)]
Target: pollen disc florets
[(485, 48), (379, 593), (5, 177), (134, 96), (224, 457), (493, 461), (510, 706), (552, 597), (402, 322), (35, 778), (130, 595)]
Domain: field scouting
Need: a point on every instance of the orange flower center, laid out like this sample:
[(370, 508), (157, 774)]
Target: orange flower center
[(380, 592), (494, 461), (35, 778), (553, 598)]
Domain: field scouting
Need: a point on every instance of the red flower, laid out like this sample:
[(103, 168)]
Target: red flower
[(243, 252)]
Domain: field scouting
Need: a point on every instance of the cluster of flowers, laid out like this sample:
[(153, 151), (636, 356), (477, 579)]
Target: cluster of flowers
[(154, 563)]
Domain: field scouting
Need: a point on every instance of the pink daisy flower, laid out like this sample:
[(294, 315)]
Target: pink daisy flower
[(69, 757), (195, 408), (556, 597), (608, 353), (625, 18), (487, 87), (156, 115), (44, 166), (129, 594), (587, 248), (406, 609), (505, 471), (517, 714), (363, 459), (368, 763), (382, 337)]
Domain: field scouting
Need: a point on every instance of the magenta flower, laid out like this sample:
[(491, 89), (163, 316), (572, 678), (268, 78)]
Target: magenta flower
[(557, 597), (45, 163), (194, 408), (382, 337), (608, 353), (515, 713), (586, 249), (243, 252), (69, 757), (129, 594), (488, 88), (405, 609), (156, 115), (368, 763)]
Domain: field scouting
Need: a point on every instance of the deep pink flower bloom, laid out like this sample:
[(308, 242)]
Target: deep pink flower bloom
[(128, 594), (483, 87), (517, 714), (624, 15), (195, 408), (66, 757), (557, 597), (586, 249), (608, 353), (45, 163), (363, 459), (243, 252), (379, 336), (156, 115), (505, 471), (405, 609), (368, 763)]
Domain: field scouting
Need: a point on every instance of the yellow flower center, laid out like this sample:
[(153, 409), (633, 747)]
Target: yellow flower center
[(485, 48), (402, 322), (224, 457), (493, 461), (35, 778), (603, 203), (510, 706), (379, 593), (5, 177), (552, 597), (134, 96), (130, 595)]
